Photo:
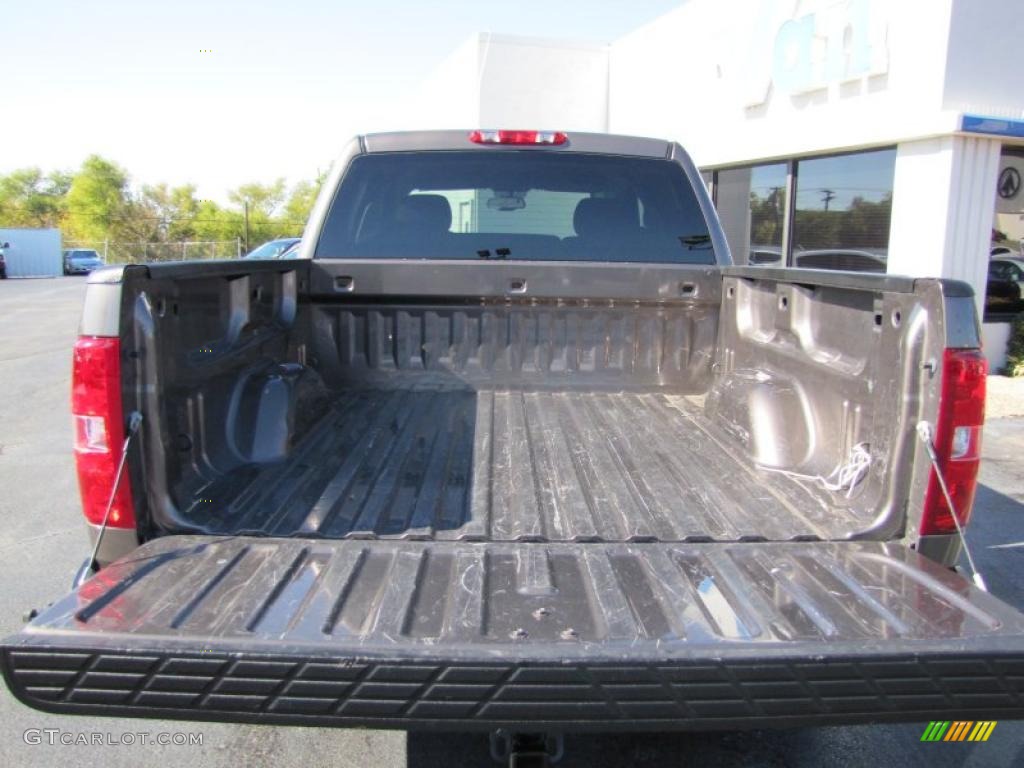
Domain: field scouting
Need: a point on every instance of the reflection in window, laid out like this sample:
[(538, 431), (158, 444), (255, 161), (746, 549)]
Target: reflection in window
[(752, 207), (843, 211), (1003, 294)]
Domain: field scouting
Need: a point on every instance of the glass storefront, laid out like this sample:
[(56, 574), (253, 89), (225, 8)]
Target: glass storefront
[(843, 210), (752, 205), (839, 217)]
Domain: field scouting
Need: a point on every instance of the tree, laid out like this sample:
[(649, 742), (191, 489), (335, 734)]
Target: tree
[(174, 209), (98, 202), (866, 223), (300, 203), (30, 199), (766, 216), (263, 199), (215, 223)]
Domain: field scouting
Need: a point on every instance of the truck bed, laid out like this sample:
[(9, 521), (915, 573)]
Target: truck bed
[(444, 464)]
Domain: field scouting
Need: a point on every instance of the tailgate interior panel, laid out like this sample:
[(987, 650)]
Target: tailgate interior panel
[(570, 636)]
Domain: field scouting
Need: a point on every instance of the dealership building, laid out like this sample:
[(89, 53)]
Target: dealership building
[(880, 135)]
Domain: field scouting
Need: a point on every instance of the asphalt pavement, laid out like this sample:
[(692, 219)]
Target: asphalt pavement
[(42, 542)]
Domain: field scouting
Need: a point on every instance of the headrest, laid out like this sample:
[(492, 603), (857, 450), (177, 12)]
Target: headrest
[(599, 217), (429, 213)]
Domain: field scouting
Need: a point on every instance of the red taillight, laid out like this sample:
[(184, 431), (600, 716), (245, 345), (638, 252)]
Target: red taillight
[(957, 439), (99, 430), (518, 137)]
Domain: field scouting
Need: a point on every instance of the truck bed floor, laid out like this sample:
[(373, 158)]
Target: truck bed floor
[(515, 466)]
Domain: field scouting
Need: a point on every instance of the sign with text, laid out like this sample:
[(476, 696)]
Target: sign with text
[(838, 42)]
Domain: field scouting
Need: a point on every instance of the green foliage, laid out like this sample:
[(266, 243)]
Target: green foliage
[(766, 216), (98, 204), (172, 211), (263, 199), (863, 225), (300, 204), (30, 199), (212, 222), (97, 201), (1015, 349)]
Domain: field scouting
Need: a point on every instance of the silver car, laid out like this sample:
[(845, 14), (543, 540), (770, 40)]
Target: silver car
[(81, 261)]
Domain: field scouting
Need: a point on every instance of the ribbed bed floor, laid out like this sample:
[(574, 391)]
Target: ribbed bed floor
[(515, 466)]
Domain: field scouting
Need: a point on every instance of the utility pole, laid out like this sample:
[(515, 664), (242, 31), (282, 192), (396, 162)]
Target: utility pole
[(245, 204), (828, 196)]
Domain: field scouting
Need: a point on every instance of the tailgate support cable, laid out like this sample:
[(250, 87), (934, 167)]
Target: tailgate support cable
[(924, 431), (134, 422)]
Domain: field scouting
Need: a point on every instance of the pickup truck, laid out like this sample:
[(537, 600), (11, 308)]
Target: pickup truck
[(514, 446)]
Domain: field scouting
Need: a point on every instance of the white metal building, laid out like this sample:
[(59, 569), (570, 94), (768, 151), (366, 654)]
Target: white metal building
[(860, 133), (32, 252)]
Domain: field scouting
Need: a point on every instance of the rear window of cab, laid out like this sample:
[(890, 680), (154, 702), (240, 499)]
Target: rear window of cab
[(516, 205)]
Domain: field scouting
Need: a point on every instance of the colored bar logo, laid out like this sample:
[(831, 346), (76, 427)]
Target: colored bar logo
[(958, 730)]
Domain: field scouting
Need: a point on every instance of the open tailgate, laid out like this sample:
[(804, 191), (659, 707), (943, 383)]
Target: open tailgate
[(409, 634)]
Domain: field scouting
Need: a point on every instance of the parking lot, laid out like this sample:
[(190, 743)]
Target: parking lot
[(42, 543)]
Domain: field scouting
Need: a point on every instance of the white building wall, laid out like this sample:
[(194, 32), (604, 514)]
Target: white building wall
[(983, 70), (505, 81), (530, 83), (733, 82), (450, 95), (994, 338), (943, 200), (32, 252)]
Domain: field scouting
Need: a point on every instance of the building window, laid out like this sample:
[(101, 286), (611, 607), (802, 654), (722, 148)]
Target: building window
[(839, 219), (843, 210), (752, 206)]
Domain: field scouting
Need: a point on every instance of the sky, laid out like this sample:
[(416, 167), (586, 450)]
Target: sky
[(220, 93)]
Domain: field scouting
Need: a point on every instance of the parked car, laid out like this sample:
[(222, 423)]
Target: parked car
[(765, 255), (1007, 268), (81, 261), (272, 249), (844, 259), (510, 478), (292, 251)]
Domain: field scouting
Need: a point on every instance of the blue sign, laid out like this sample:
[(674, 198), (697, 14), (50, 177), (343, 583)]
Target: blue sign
[(992, 126)]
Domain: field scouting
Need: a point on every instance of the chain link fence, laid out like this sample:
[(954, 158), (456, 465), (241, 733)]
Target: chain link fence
[(138, 253)]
